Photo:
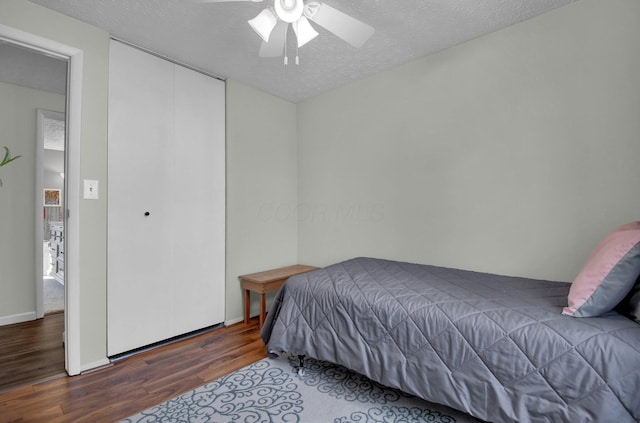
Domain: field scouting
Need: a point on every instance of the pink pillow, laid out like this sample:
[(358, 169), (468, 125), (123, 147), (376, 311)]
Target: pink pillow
[(608, 275)]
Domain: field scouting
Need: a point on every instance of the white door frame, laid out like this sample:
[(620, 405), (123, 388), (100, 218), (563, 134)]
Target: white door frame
[(72, 182)]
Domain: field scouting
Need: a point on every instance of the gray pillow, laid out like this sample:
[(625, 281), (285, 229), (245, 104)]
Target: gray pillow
[(630, 305)]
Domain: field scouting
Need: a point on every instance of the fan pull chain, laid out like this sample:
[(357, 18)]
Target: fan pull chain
[(286, 58)]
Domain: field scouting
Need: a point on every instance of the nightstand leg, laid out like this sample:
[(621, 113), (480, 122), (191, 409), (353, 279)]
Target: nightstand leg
[(263, 308), (247, 306)]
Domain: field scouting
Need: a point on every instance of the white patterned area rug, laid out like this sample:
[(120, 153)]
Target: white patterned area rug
[(271, 391)]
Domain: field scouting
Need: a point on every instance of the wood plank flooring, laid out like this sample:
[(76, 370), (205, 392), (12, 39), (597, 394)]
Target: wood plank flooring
[(138, 382), (31, 351)]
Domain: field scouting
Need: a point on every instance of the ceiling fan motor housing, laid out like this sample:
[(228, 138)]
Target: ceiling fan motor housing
[(289, 10)]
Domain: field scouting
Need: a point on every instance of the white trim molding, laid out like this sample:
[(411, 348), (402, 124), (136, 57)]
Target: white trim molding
[(96, 365), (17, 318)]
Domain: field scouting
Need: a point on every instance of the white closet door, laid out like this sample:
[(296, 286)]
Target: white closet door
[(199, 201), (166, 200)]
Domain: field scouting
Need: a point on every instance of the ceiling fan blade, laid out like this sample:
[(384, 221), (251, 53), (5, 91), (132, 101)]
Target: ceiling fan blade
[(275, 46), (222, 1), (339, 23)]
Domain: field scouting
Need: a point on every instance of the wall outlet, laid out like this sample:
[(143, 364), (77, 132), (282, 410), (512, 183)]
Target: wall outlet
[(90, 190)]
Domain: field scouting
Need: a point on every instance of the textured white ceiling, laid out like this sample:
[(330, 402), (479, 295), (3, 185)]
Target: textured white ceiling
[(53, 134), (216, 38)]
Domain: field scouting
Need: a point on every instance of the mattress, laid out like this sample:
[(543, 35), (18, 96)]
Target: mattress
[(495, 347)]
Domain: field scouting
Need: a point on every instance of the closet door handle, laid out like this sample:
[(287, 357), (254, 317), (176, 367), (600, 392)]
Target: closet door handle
[(147, 213)]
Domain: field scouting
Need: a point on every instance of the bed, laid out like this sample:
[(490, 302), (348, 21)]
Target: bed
[(496, 347)]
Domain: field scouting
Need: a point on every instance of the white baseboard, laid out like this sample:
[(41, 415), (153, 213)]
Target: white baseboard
[(17, 318), (96, 365), (233, 321)]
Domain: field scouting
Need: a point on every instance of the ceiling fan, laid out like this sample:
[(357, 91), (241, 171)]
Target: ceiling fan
[(272, 25)]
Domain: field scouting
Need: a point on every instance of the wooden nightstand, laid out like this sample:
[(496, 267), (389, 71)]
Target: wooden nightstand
[(263, 282)]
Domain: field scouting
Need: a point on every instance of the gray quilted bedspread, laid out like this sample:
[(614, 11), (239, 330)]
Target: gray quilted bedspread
[(493, 346)]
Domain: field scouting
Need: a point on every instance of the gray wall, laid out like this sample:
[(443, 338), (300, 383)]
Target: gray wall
[(513, 153), (261, 174)]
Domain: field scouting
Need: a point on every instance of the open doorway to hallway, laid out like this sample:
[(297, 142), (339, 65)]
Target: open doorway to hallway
[(33, 101)]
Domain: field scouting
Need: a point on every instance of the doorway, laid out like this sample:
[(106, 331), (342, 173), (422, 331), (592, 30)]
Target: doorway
[(34, 86)]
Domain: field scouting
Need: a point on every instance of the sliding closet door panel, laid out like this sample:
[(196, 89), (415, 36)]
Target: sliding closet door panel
[(140, 130), (199, 199), (166, 200)]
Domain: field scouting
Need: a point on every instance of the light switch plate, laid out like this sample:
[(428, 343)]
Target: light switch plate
[(90, 189)]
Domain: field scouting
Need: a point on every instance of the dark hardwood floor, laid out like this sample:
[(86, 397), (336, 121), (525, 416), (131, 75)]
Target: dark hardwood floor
[(138, 382), (31, 351)]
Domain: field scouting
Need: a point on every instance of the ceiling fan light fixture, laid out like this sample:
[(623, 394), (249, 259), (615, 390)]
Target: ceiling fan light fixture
[(264, 23), (289, 10), (304, 31)]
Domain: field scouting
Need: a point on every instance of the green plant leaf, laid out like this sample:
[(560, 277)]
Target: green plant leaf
[(7, 157)]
